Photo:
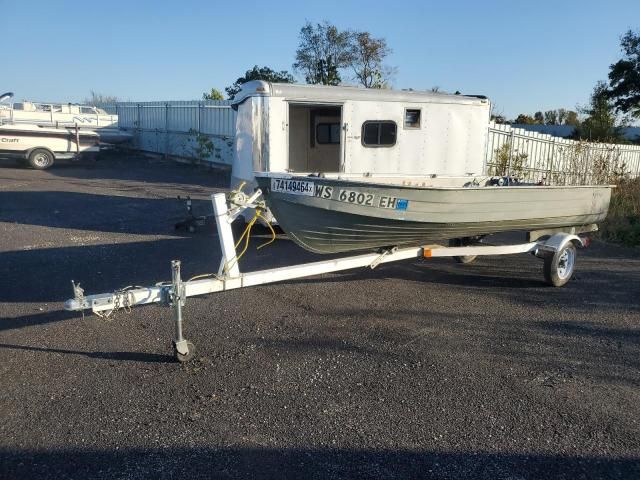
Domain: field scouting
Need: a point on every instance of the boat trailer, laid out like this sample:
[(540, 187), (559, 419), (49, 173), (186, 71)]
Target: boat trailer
[(556, 248)]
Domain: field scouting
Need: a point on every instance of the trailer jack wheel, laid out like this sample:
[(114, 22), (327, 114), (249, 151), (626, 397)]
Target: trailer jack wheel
[(190, 351), (559, 266)]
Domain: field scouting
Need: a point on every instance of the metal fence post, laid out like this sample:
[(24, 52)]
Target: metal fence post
[(139, 122), (586, 165), (166, 130), (550, 160), (510, 156)]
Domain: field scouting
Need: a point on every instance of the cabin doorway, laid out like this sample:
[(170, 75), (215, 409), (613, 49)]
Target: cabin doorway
[(315, 138)]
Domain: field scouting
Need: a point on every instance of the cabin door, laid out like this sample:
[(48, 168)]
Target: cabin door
[(315, 138)]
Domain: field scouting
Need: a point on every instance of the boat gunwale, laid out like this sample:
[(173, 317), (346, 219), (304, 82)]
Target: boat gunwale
[(417, 187)]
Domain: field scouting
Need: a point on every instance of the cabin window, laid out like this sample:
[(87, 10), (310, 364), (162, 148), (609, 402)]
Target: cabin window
[(87, 110), (379, 134), (412, 117), (328, 133), (57, 108)]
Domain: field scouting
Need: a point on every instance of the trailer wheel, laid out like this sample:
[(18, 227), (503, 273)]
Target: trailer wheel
[(462, 242), (559, 266), (191, 352), (40, 159)]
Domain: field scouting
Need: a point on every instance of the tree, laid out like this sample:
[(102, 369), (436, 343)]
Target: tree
[(624, 76), (214, 94), (601, 123), (561, 116), (367, 57), (96, 98), (524, 119), (538, 118), (551, 117), (323, 52), (262, 73), (572, 118)]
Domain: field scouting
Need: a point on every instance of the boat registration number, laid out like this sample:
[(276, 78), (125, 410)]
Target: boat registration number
[(359, 198), (295, 187)]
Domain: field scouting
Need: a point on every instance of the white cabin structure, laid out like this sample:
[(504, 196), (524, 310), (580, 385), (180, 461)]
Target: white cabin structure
[(357, 131)]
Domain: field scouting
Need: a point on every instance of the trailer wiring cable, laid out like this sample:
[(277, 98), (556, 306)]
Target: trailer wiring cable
[(273, 232), (246, 236)]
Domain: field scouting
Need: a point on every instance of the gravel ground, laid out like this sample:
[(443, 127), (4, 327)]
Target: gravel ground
[(414, 370)]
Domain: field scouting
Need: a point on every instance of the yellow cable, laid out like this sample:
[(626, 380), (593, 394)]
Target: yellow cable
[(273, 233), (246, 235)]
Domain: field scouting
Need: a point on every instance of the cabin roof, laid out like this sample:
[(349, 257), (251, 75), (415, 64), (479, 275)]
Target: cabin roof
[(326, 93)]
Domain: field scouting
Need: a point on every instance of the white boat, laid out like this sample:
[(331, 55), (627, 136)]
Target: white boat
[(85, 117), (41, 146)]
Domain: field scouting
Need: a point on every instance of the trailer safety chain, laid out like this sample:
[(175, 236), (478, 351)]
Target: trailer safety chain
[(122, 300)]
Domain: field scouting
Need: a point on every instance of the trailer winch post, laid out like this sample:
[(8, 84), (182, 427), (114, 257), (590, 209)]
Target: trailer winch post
[(228, 263)]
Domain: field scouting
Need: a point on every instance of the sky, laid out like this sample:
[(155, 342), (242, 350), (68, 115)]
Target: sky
[(525, 56)]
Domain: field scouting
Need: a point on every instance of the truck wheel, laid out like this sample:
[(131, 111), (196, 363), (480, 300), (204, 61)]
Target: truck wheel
[(40, 159), (559, 266)]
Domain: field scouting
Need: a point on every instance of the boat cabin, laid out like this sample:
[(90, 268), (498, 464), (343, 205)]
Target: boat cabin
[(357, 131)]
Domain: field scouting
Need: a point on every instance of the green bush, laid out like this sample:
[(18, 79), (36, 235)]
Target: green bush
[(623, 221)]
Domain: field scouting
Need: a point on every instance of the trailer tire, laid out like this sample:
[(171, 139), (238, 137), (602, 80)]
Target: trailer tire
[(462, 242), (40, 159), (560, 265)]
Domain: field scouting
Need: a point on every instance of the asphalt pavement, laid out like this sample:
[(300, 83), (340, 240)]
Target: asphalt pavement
[(418, 369)]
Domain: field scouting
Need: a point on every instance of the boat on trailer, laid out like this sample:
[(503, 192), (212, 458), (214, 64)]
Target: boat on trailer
[(556, 248), (40, 146), (334, 214)]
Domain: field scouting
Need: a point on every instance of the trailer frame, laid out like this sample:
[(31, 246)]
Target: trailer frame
[(557, 249)]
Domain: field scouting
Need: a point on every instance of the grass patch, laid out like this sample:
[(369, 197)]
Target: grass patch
[(623, 221)]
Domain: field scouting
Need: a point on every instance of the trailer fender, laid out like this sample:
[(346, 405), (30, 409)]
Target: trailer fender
[(557, 242)]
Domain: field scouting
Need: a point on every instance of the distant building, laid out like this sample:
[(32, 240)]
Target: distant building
[(565, 131)]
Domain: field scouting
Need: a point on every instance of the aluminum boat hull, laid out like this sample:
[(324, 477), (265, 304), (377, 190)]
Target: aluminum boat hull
[(322, 219)]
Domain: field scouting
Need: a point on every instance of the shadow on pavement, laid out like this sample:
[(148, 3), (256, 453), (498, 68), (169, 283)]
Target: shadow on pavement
[(301, 463), (94, 212), (135, 167), (142, 357), (44, 275)]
